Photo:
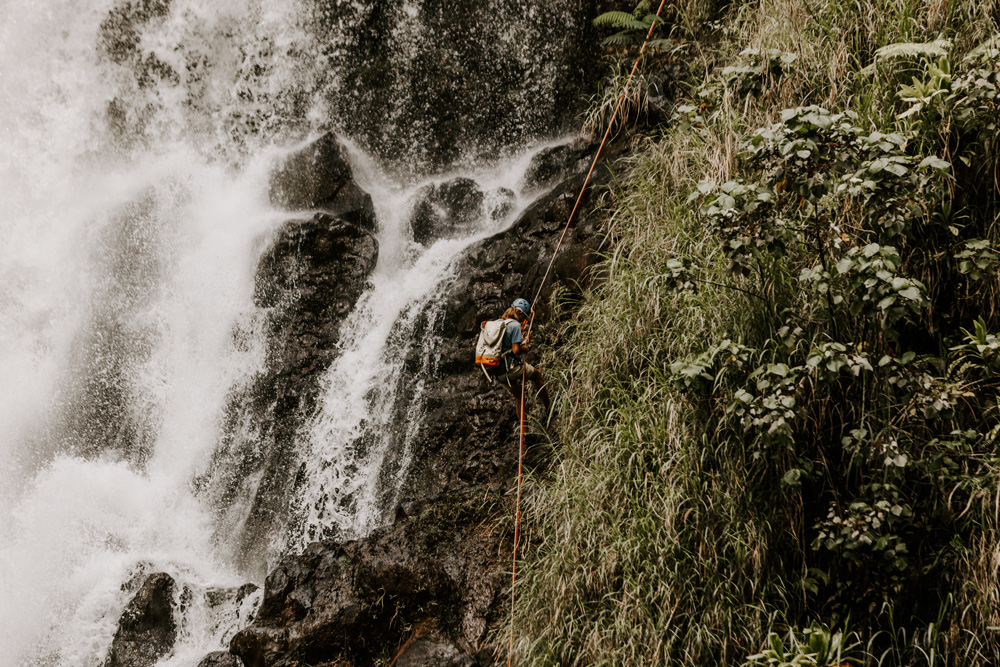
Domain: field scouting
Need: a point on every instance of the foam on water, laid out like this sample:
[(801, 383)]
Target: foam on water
[(76, 525), (81, 531)]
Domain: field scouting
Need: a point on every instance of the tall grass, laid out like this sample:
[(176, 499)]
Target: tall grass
[(660, 537), (647, 548)]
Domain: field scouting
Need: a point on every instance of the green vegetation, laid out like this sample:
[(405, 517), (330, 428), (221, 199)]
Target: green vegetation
[(632, 27), (781, 404)]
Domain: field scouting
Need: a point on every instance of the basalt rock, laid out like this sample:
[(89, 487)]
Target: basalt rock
[(220, 659), (216, 597), (431, 649), (146, 629), (230, 608), (428, 589), (361, 600), (308, 279), (551, 165), (446, 210), (472, 445), (319, 176), (119, 40), (430, 83)]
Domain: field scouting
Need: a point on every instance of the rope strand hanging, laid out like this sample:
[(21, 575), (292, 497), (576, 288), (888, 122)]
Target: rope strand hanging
[(531, 320)]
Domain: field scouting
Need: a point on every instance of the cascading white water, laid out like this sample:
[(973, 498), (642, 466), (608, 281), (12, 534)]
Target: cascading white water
[(360, 418), (133, 206), (126, 266)]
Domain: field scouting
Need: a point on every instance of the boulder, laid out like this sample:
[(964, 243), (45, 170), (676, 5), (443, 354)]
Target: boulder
[(311, 174), (319, 176), (551, 165), (146, 629), (432, 650), (353, 601), (220, 659), (314, 269), (447, 210)]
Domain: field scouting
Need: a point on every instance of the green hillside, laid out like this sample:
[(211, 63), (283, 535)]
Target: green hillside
[(779, 406)]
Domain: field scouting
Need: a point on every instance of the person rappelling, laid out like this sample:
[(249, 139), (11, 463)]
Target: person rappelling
[(499, 353)]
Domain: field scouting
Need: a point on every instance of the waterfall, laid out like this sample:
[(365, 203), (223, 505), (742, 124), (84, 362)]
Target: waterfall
[(371, 404), (137, 142)]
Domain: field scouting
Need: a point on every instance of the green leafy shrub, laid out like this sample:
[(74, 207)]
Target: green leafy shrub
[(784, 417), (815, 647), (632, 27)]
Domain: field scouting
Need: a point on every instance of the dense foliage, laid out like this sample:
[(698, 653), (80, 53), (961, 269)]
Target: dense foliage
[(782, 405)]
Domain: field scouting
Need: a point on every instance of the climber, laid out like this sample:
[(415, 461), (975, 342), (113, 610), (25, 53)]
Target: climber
[(509, 371)]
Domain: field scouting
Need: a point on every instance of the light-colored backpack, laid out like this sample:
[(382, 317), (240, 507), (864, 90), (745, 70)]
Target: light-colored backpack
[(489, 347)]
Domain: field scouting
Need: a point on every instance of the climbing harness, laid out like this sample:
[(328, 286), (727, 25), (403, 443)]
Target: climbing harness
[(541, 285)]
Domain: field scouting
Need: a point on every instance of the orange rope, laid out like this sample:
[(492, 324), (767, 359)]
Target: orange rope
[(531, 320), (517, 514)]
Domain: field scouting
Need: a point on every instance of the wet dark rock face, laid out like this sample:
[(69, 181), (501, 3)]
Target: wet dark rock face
[(146, 629), (557, 163), (499, 203), (319, 176), (427, 589), (99, 417), (473, 445), (220, 659), (433, 649), (424, 589), (454, 208), (429, 83), (422, 85), (308, 278), (446, 210)]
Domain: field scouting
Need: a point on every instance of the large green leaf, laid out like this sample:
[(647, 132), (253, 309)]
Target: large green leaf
[(624, 38), (937, 49), (614, 19), (987, 48), (635, 25)]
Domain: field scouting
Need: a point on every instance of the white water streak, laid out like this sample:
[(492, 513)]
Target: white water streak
[(76, 526), (360, 419)]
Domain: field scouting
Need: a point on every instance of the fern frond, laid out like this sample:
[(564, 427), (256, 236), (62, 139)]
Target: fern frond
[(988, 48), (635, 25), (613, 18), (624, 38), (653, 18), (938, 48), (661, 44)]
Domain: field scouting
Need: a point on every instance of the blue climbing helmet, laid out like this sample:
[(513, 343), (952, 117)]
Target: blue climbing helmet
[(522, 305)]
